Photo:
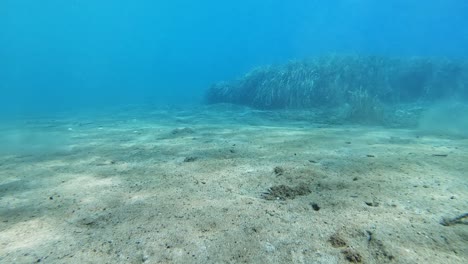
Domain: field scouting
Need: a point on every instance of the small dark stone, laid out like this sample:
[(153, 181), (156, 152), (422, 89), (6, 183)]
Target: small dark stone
[(51, 198), (315, 206), (373, 204)]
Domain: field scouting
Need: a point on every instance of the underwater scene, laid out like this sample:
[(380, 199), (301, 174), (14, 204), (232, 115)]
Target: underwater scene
[(266, 131)]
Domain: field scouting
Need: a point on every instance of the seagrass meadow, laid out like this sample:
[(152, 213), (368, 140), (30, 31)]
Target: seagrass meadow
[(367, 87)]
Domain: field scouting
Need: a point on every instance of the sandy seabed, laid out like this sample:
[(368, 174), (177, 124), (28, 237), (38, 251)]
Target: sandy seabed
[(228, 186)]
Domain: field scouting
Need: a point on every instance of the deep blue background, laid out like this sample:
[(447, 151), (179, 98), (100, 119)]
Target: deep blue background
[(60, 55)]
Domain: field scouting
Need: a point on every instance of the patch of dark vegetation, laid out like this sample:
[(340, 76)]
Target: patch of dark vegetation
[(182, 131), (364, 88), (278, 170), (337, 241), (190, 159), (283, 192), (352, 255)]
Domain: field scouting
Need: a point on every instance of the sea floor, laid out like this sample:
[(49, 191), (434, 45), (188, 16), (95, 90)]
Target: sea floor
[(228, 185)]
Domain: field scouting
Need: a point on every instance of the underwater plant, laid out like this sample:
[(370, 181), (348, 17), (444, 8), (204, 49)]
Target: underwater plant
[(364, 84), (364, 108)]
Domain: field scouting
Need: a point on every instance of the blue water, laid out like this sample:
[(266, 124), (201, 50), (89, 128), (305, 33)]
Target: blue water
[(60, 55)]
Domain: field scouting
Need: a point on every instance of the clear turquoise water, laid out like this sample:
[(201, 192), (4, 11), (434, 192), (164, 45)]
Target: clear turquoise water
[(57, 55)]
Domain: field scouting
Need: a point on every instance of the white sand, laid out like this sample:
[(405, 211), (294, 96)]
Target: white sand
[(115, 189)]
